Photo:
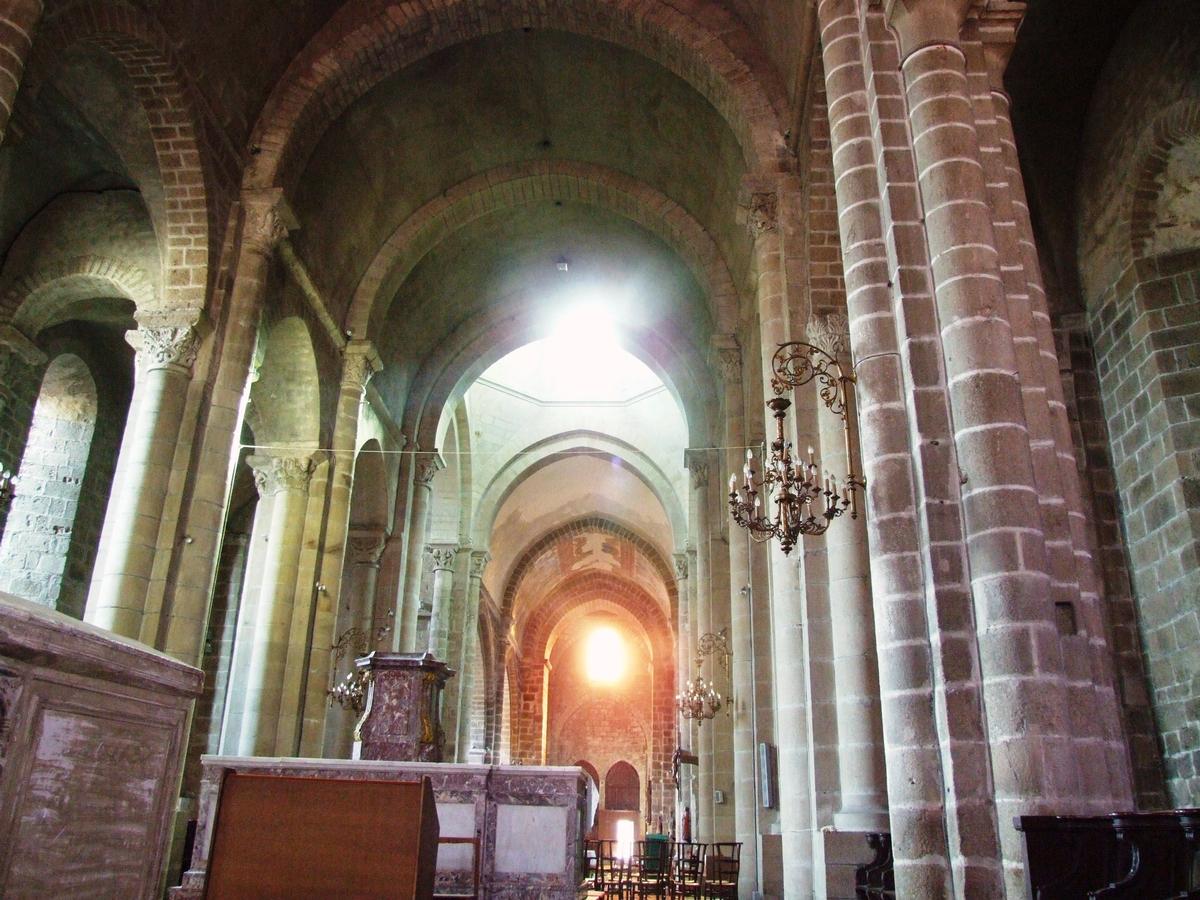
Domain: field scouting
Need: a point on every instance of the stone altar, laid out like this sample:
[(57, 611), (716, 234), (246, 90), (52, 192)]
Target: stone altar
[(530, 820), (402, 719), (92, 730)]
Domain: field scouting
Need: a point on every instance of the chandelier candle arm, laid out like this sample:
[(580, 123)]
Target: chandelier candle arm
[(803, 505)]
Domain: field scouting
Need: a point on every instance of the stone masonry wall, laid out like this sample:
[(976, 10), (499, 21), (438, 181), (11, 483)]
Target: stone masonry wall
[(1081, 391), (1147, 342)]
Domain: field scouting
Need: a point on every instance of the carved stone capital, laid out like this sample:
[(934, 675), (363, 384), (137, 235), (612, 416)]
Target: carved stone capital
[(165, 347), (442, 555), (831, 333), (365, 548), (697, 462), (266, 219), (279, 474), (728, 358), (360, 360), (681, 566), (763, 216), (427, 465), (479, 561)]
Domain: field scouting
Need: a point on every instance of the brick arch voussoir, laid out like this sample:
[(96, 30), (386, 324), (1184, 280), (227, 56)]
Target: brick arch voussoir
[(583, 526), (368, 41), (131, 281), (579, 588), (1178, 124), (530, 182), (188, 151)]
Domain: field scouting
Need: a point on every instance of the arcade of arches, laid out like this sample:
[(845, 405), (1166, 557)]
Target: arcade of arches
[(339, 325)]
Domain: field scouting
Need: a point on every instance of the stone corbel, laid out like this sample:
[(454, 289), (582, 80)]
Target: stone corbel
[(727, 356), (266, 219)]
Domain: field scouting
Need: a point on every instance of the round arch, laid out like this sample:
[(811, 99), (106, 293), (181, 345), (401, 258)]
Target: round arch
[(31, 301), (365, 42), (534, 457), (486, 338), (185, 145), (1176, 126), (593, 523), (540, 181)]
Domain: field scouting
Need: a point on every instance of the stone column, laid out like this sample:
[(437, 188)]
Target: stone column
[(285, 479), (743, 699), (18, 20), (791, 691), (443, 586), (683, 668), (203, 515), (359, 362), (861, 771), (1033, 764), (703, 820), (128, 543), (426, 464), (469, 644), (363, 552), (1105, 773)]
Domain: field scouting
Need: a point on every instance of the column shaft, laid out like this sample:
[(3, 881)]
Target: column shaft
[(795, 814), (743, 697), (18, 20), (359, 363), (443, 587), (286, 478), (425, 466), (129, 539), (469, 645), (703, 819), (202, 519), (1033, 765)]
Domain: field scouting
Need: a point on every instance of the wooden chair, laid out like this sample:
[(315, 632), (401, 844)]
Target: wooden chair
[(722, 865), (609, 873), (687, 870), (473, 842), (650, 872)]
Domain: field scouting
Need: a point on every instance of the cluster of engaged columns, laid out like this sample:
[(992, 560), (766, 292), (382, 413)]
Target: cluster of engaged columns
[(974, 515)]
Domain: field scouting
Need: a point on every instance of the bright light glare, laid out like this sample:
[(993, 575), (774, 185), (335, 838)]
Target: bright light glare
[(624, 848), (605, 656), (586, 326)]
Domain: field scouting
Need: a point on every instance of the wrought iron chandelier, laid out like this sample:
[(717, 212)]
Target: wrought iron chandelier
[(806, 499), (700, 698)]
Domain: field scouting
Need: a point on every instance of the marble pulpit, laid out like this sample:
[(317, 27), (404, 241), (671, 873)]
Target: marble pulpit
[(402, 719)]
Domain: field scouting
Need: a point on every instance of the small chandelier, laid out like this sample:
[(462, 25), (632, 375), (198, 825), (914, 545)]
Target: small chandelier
[(700, 698), (806, 499), (8, 483)]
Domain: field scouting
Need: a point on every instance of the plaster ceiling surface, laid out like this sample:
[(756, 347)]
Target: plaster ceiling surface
[(572, 488), (500, 100), (498, 279)]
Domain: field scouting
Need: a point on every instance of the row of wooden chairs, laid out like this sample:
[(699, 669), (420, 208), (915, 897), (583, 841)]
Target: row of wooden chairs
[(663, 869)]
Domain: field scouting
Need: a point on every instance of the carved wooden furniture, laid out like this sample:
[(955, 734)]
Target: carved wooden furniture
[(1148, 856), (297, 838), (722, 865)]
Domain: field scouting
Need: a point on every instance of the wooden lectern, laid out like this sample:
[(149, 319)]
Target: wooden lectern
[(299, 838)]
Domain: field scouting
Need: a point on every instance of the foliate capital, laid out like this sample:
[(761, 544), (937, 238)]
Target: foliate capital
[(830, 332), (681, 566), (763, 216), (479, 561), (428, 464), (365, 548), (166, 347), (442, 555), (279, 474), (266, 219), (360, 360), (728, 357)]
